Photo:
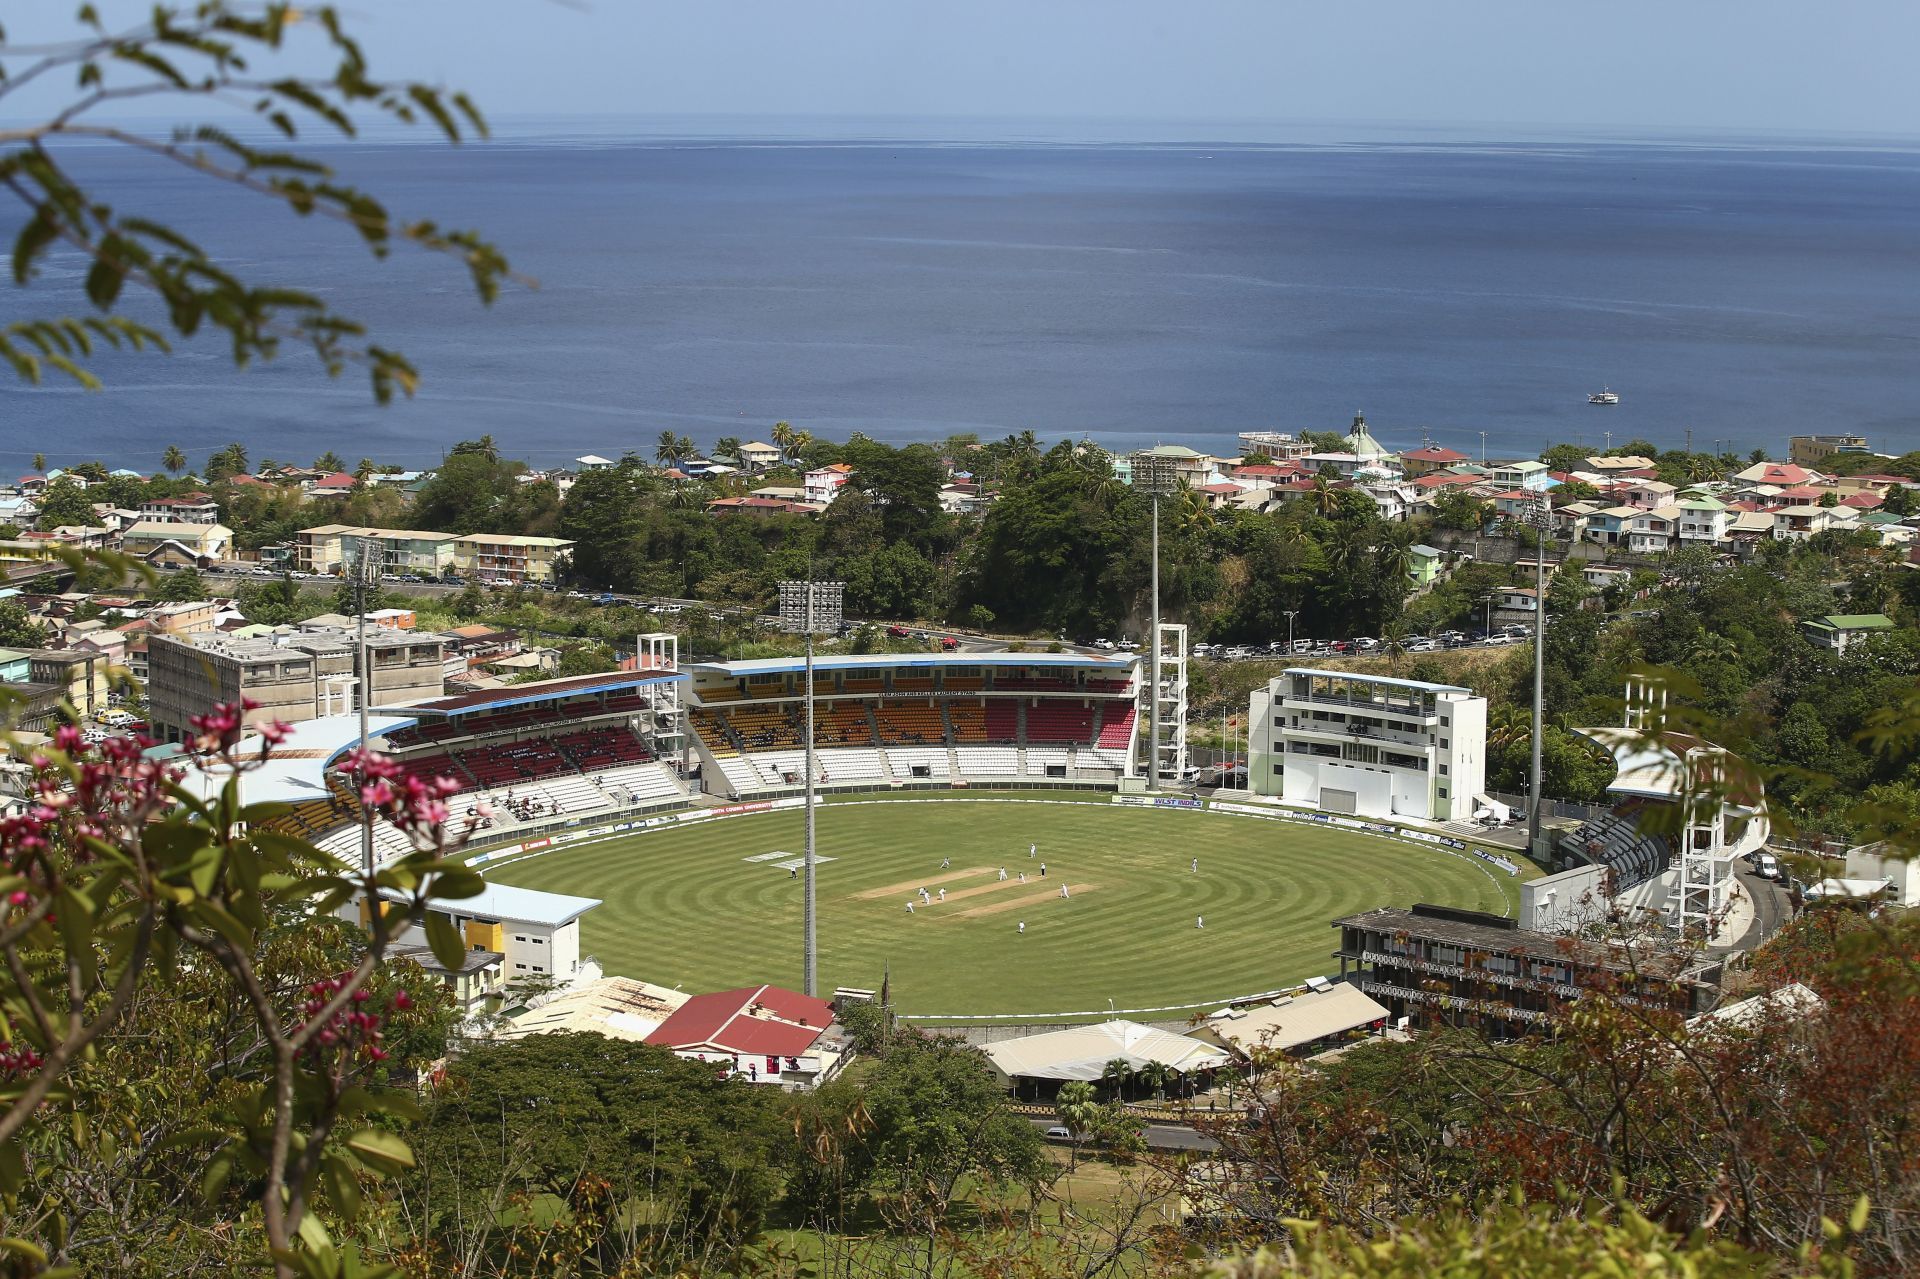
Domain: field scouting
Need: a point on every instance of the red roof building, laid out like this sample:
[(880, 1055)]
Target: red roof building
[(751, 1022), (1431, 458), (338, 482)]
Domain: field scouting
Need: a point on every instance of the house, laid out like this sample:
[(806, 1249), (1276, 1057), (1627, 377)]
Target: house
[(1601, 576), (1798, 523), (194, 617), (1783, 474), (617, 1007), (1570, 521), (1879, 861), (511, 557), (1516, 599), (1652, 532), (1643, 494), (962, 499), (1220, 494), (335, 484), (189, 508), (330, 549), (1189, 468), (758, 456), (1840, 631), (761, 507), (761, 1033), (1522, 475), (1424, 564), (824, 484), (593, 462), (1704, 520), (19, 509), (1370, 745), (474, 984), (197, 544), (1428, 459), (1611, 466), (1608, 525), (1518, 504), (1393, 499)]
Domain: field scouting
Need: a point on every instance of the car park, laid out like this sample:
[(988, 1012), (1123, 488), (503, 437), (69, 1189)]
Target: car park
[(1422, 646)]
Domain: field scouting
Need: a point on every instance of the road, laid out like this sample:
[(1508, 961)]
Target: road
[(1159, 1136)]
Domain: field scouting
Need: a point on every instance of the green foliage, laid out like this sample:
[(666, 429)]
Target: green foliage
[(181, 587), (18, 629), (65, 502), (210, 50), (472, 492)]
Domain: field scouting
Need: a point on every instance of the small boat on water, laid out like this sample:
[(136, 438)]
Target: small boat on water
[(1603, 396)]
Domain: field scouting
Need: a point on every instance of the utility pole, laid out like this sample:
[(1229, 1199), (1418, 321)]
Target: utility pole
[(1608, 436), (1291, 614), (1483, 448), (1543, 516), (807, 607)]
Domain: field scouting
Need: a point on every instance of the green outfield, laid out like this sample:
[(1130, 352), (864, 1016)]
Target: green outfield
[(708, 906)]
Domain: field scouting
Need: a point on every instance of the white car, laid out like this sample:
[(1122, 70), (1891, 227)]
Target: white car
[(1105, 644)]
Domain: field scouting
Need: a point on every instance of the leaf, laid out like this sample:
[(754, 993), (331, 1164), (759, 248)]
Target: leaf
[(214, 1180), (343, 1188), (21, 1248), (444, 939), (382, 1150), (204, 868), (32, 241), (456, 882), (103, 282)]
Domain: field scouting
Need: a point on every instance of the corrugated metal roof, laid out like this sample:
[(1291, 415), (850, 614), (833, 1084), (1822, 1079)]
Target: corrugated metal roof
[(1084, 1051)]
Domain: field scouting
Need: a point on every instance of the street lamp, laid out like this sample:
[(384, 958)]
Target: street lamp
[(1291, 614), (365, 569), (1155, 475), (807, 608)]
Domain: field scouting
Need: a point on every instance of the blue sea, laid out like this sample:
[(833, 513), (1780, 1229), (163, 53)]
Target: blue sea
[(1130, 291)]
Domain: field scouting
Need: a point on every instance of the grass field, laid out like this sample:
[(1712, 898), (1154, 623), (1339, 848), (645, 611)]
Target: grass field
[(688, 906)]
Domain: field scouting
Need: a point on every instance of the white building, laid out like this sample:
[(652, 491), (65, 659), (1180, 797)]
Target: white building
[(823, 485), (1368, 744), (535, 933), (757, 455), (1798, 523), (1703, 520)]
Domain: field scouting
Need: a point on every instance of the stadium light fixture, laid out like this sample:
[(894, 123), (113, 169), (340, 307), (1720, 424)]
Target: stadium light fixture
[(365, 569), (1540, 516), (1155, 474), (809, 608)]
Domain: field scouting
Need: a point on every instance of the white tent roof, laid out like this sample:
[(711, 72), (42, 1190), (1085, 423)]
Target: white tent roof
[(1301, 1020), (1084, 1051)]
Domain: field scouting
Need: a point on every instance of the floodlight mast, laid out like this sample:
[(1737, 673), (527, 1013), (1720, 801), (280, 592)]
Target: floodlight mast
[(1153, 475), (1542, 518), (365, 567), (807, 607)]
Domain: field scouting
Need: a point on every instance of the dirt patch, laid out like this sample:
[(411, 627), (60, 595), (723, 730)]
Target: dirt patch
[(1031, 899), (913, 886)]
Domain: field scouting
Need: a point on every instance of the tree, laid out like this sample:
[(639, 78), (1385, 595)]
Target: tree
[(1115, 1075), (39, 462), (783, 437), (18, 630), (672, 449), (181, 587), (329, 462), (1078, 1108), (173, 459), (727, 448), (940, 1118), (227, 462), (472, 492), (65, 502), (1564, 458), (276, 64)]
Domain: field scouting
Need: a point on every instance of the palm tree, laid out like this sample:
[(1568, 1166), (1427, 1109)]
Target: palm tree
[(667, 451), (1115, 1075), (173, 459), (1156, 1075), (1079, 1109), (727, 446), (1508, 724), (1325, 497), (1393, 638), (366, 468), (39, 461), (783, 438), (1396, 557), (802, 441), (329, 462)]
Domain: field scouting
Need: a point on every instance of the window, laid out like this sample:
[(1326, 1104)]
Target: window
[(1444, 721), (1443, 743), (1279, 770), (517, 937), (538, 969), (1360, 754), (1443, 770), (521, 967)]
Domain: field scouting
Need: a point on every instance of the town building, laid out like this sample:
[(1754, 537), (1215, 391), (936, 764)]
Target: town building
[(1084, 1053), (536, 934), (1704, 520), (189, 508), (1529, 475), (1298, 1025), (83, 676), (292, 675), (511, 558), (764, 1034), (1434, 965), (199, 545), (1281, 446), (1798, 523), (1424, 564), (759, 456), (330, 549), (824, 483), (1374, 745), (1841, 631), (1429, 459), (1811, 450)]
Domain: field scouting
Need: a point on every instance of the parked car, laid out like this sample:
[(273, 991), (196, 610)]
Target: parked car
[(1422, 646), (1061, 1132), (1342, 646), (1105, 644), (1766, 865), (1303, 646), (948, 643)]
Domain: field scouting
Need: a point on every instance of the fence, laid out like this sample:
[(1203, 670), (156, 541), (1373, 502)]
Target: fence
[(1552, 809)]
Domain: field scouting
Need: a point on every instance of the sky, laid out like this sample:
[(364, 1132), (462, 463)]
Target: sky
[(1521, 66)]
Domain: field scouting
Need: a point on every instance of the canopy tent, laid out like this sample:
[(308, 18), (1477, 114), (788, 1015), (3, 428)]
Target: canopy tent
[(1083, 1052)]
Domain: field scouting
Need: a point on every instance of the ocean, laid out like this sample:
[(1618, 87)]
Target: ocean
[(1467, 291)]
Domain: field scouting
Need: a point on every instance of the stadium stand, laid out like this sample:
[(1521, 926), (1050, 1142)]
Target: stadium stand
[(910, 724), (1116, 730), (907, 759), (1615, 841), (987, 761), (1055, 722), (1002, 722)]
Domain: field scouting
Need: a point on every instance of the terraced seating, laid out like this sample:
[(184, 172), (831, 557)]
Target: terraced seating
[(842, 724), (913, 683), (1105, 757), (1059, 722), (721, 693), (964, 683), (639, 783), (625, 703), (594, 748), (910, 724), (848, 765), (1615, 841), (988, 761), (969, 721), (907, 758), (1034, 684), (765, 727), (863, 684), (1039, 758), (1109, 685), (512, 762), (1116, 731), (1002, 722)]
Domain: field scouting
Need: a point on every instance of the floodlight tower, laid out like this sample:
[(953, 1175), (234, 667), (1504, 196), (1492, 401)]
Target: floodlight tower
[(807, 608), (1154, 475)]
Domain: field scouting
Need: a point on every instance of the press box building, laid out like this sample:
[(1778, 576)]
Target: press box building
[(1371, 745)]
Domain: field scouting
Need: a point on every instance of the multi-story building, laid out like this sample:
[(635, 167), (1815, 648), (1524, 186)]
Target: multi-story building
[(823, 485), (1281, 446), (81, 674), (331, 548), (293, 675), (504, 557), (1652, 531), (1798, 523), (1427, 459), (1811, 450), (200, 543), (1703, 520), (1522, 475), (1372, 745), (1435, 965), (189, 508)]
